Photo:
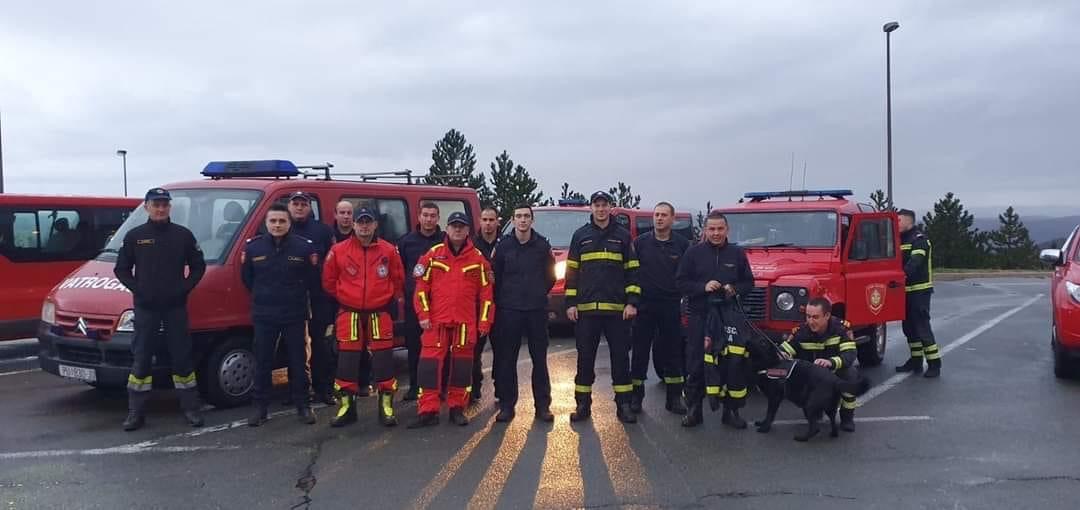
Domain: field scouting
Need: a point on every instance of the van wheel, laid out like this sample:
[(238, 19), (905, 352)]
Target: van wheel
[(229, 373), (872, 351)]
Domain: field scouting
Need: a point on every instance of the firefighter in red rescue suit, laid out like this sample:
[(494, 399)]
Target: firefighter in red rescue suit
[(452, 283)]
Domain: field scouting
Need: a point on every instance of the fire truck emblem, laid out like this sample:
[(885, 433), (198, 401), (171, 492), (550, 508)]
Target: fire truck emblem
[(875, 297)]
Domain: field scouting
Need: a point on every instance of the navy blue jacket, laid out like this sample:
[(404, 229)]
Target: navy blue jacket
[(726, 264), (411, 247), (659, 261), (524, 273), (322, 237), (280, 277), (158, 252)]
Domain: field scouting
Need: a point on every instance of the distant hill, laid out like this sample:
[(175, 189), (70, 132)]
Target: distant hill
[(1042, 228)]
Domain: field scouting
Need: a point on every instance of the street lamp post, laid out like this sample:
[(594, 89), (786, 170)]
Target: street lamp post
[(888, 29), (123, 155)]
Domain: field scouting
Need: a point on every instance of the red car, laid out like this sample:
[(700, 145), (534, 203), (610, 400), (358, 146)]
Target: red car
[(1065, 301)]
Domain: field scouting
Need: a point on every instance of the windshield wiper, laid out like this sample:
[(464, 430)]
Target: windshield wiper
[(779, 245)]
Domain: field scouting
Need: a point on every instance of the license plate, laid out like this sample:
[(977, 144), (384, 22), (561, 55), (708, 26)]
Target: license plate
[(82, 374)]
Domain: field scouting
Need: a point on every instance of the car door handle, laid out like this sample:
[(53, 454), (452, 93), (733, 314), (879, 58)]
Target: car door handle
[(893, 284)]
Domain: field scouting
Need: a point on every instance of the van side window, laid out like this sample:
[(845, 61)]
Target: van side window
[(447, 207), (624, 220), (644, 224), (877, 236), (38, 235), (394, 216)]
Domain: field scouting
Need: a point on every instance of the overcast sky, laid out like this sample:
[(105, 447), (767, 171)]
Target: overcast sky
[(685, 101)]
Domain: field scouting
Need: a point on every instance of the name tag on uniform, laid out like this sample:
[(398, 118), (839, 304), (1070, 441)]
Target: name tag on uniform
[(295, 259), (145, 241), (259, 258)]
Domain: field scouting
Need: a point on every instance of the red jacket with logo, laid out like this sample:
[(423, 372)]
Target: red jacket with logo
[(449, 287), (363, 277)]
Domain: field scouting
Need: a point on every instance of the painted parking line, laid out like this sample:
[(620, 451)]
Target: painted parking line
[(17, 372)]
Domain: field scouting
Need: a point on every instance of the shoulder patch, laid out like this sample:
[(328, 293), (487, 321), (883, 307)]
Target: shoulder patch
[(418, 270)]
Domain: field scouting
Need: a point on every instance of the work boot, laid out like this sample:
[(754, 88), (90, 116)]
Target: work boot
[(933, 369), (346, 413), (386, 409), (732, 419), (193, 417), (258, 416), (328, 398), (306, 415), (134, 421), (505, 414), (624, 412), (847, 420), (637, 397), (913, 364), (412, 394), (544, 415), (457, 417), (674, 403), (424, 420), (693, 416), (584, 407), (189, 406)]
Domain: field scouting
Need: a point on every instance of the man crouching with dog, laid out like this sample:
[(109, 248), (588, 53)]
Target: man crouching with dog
[(827, 342)]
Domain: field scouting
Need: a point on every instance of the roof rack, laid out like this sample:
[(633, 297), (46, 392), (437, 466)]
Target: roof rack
[(759, 196), (279, 168)]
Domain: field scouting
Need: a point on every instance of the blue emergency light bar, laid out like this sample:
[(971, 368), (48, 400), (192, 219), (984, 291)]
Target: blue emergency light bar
[(573, 202), (757, 196), (265, 168)]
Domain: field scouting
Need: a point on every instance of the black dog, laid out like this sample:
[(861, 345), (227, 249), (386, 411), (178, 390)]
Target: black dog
[(814, 389)]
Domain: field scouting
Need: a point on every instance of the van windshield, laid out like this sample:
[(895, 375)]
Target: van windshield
[(557, 226), (215, 216), (805, 229)]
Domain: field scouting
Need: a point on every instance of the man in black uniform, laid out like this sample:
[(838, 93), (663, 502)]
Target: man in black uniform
[(412, 246), (280, 269), (711, 274), (602, 295), (658, 316), (919, 273), (323, 364), (485, 241), (524, 274), (827, 342), (159, 250), (343, 221)]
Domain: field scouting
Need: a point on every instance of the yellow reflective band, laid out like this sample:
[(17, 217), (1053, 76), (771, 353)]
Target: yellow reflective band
[(484, 312), (710, 359), (633, 289), (849, 404), (633, 264), (184, 379), (352, 326), (470, 267), (388, 404), (436, 247), (905, 246), (918, 252), (604, 307), (788, 348), (712, 390), (837, 362), (736, 393), (736, 350), (601, 255), (933, 356), (812, 346), (440, 265), (914, 344), (637, 382), (833, 340), (483, 278), (572, 263), (919, 286), (581, 388), (674, 380), (423, 300), (847, 346), (463, 335), (345, 401), (135, 380), (571, 292), (623, 388), (931, 348)]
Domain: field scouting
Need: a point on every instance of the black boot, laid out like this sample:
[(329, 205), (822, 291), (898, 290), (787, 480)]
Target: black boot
[(584, 407), (134, 421), (732, 419), (636, 397), (258, 416), (674, 403), (457, 417), (306, 415), (424, 420), (847, 420), (506, 413), (412, 394), (693, 416), (624, 412), (545, 415), (913, 364), (328, 398), (933, 368), (189, 405), (386, 409), (136, 410), (346, 413), (193, 417)]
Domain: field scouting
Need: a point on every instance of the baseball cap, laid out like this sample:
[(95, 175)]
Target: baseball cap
[(458, 217), (158, 194), (299, 195), (601, 195), (364, 212)]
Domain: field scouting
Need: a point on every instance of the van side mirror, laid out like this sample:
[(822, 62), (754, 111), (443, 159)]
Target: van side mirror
[(859, 250), (1052, 257)]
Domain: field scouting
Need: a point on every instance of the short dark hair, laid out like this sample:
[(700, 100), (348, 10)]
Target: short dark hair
[(490, 208), (427, 204), (716, 215), (277, 207), (906, 212), (524, 206), (666, 204), (820, 302)]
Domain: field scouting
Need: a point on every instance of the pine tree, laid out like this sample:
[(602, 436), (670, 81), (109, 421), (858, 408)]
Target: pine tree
[(699, 223), (879, 200), (569, 194), (624, 197), (512, 186), (955, 240), (454, 164), (1011, 243)]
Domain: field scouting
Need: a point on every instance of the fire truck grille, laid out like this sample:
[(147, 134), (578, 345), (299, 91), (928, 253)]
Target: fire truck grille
[(754, 304)]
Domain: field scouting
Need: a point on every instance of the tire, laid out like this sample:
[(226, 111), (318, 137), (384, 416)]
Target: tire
[(228, 375), (872, 352), (1064, 367)]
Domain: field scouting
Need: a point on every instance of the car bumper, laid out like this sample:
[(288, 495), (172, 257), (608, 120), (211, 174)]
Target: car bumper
[(109, 360)]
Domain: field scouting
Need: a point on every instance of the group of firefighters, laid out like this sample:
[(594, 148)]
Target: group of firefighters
[(309, 280)]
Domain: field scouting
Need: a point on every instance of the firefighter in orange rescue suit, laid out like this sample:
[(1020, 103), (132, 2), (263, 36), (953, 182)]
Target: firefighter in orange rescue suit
[(452, 283), (364, 274)]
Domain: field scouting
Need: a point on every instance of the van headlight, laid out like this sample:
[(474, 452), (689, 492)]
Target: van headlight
[(126, 322), (785, 301), (1073, 290), (48, 313), (560, 270)]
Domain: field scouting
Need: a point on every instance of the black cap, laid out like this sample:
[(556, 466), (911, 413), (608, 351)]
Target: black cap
[(299, 195), (158, 194), (459, 217), (364, 212), (601, 195)]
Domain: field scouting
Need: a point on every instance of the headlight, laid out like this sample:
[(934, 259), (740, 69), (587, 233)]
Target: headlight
[(785, 301), (560, 270), (1073, 290), (126, 322), (48, 312)]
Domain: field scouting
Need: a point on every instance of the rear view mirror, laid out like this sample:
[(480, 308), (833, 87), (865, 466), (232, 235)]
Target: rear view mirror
[(1052, 257), (859, 250)]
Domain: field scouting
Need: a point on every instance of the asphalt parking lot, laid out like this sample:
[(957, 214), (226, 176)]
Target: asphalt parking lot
[(996, 431)]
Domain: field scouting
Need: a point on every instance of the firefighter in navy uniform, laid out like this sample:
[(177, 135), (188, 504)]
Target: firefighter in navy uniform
[(280, 269), (828, 342), (657, 326), (158, 251), (602, 296), (712, 274), (412, 246), (485, 241), (919, 273), (323, 364)]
